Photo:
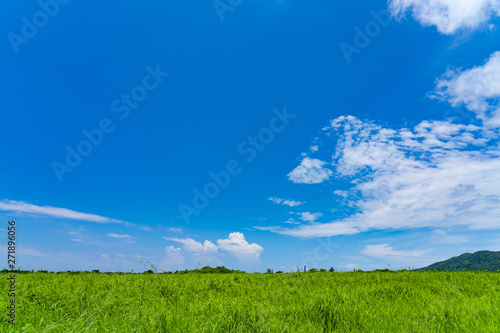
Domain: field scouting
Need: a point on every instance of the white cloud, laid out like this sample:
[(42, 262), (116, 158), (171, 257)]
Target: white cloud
[(171, 249), (310, 171), (449, 16), (306, 216), (194, 247), (440, 236), (290, 203), (437, 175), (173, 260), (240, 248), (276, 200), (235, 245), (315, 230), (77, 240), (28, 252), (478, 88), (175, 230), (123, 236), (25, 207), (384, 251)]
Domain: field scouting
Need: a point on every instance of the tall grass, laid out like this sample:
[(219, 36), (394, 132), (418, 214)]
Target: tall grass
[(298, 302)]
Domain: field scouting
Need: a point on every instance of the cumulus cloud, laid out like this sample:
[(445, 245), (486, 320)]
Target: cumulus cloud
[(449, 16), (194, 247), (290, 203), (239, 247), (236, 245), (310, 171), (384, 251), (25, 207), (478, 88)]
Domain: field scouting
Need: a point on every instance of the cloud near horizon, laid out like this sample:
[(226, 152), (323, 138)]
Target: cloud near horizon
[(384, 251), (28, 208), (236, 245)]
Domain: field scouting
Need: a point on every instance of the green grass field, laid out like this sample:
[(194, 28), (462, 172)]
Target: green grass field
[(296, 302)]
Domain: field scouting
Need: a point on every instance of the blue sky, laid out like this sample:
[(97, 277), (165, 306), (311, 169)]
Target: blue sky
[(255, 135)]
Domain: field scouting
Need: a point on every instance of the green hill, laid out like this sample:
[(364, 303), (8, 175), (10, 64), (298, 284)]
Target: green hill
[(478, 261)]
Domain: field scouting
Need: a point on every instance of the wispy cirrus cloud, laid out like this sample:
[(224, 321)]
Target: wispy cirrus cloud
[(384, 251), (28, 208), (120, 236), (29, 252), (290, 203), (441, 236)]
